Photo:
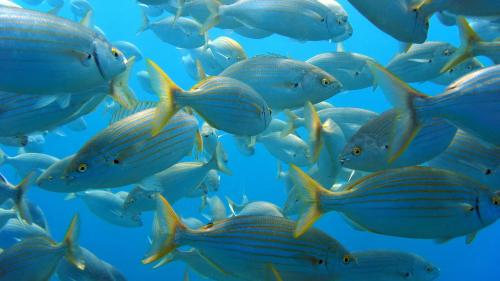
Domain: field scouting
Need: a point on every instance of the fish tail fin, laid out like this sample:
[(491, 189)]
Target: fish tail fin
[(70, 242), (19, 200), (290, 123), (468, 38), (120, 91), (309, 193), (213, 7), (145, 23), (198, 142), (180, 9), (165, 88), (218, 160), (165, 227), (403, 98), (314, 127)]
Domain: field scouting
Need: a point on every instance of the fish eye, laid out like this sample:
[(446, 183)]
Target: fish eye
[(50, 178), (320, 261), (356, 151), (496, 201), (469, 67), (487, 172), (115, 52), (116, 161), (325, 82), (322, 19), (82, 168), (429, 269), (296, 85), (447, 52), (407, 274), (89, 56), (346, 259), (356, 73)]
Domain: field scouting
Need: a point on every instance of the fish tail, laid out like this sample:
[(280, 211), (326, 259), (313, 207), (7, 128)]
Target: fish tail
[(234, 207), (403, 98), (70, 242), (145, 23), (468, 39), (165, 88), (218, 160), (19, 200), (120, 91), (313, 125), (214, 17), (290, 123), (165, 227), (308, 192)]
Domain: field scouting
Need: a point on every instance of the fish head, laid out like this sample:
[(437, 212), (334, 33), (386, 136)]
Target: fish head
[(421, 270), (110, 61), (319, 84), (364, 152), (139, 197), (54, 178), (212, 181), (489, 206), (338, 259)]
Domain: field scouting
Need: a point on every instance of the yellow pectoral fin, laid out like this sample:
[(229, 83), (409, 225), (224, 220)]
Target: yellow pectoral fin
[(213, 264), (275, 272)]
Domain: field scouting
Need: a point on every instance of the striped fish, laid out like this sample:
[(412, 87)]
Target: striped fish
[(263, 245), (123, 153), (36, 259), (471, 103), (55, 55), (122, 112), (24, 114), (284, 83), (413, 202), (26, 163), (379, 265), (468, 156), (225, 103), (369, 149)]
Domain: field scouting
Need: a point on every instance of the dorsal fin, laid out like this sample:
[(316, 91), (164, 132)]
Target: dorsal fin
[(123, 112)]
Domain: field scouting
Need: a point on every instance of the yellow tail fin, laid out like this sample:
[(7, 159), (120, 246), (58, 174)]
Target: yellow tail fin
[(313, 125), (70, 242), (165, 226), (309, 193), (165, 88), (468, 38)]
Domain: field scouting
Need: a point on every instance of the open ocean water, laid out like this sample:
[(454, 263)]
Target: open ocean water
[(253, 176)]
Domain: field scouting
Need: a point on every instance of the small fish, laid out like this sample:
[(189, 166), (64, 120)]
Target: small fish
[(216, 209), (110, 207), (256, 208), (180, 32), (36, 213), (468, 156), (487, 28), (472, 45), (406, 24), (210, 139), (245, 145), (129, 49), (456, 72), (412, 202), (302, 20), (36, 259), (16, 141), (140, 200), (143, 77), (284, 83), (381, 265), (95, 269), (27, 163), (16, 193), (225, 103), (470, 103), (211, 183), (289, 149), (15, 231), (123, 153), (184, 179), (255, 246), (6, 215), (349, 68), (193, 223), (370, 148)]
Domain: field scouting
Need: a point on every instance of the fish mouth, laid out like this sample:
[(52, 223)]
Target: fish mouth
[(98, 64), (343, 160)]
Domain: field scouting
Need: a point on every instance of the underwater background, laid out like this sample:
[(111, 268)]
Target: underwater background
[(254, 176)]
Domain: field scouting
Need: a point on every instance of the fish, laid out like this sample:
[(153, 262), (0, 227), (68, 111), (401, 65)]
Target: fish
[(255, 208), (264, 245), (140, 200), (211, 183), (370, 148), (210, 139), (422, 62), (245, 145), (95, 269), (77, 56), (143, 77), (348, 68), (129, 49), (80, 8), (302, 20), (15, 141), (180, 32), (383, 265), (472, 45), (288, 149), (462, 7), (27, 163), (16, 193), (37, 258), (6, 215), (413, 202), (487, 28), (224, 103), (15, 231), (123, 153), (468, 156), (470, 103), (216, 209), (407, 23), (151, 10), (110, 208), (456, 72), (284, 83), (226, 51), (184, 179)]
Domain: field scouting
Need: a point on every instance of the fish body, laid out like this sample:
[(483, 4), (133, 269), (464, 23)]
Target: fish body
[(27, 163), (181, 32), (140, 200), (289, 149), (123, 153), (14, 231), (55, 55), (464, 7), (284, 83), (456, 72)]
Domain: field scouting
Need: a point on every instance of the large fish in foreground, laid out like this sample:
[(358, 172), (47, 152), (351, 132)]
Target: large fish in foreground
[(43, 54), (412, 202), (123, 153), (263, 245), (471, 103)]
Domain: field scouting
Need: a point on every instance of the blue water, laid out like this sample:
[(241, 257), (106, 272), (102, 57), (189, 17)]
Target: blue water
[(254, 176)]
